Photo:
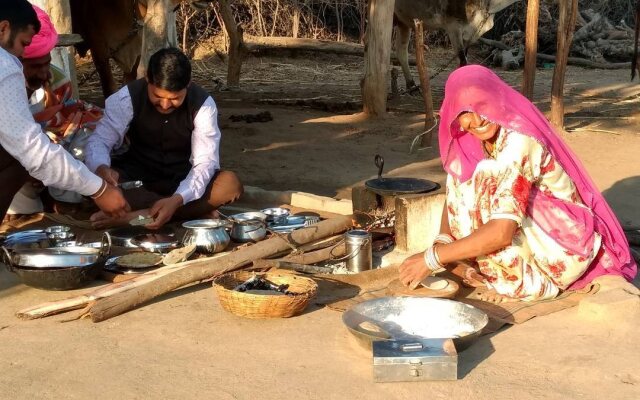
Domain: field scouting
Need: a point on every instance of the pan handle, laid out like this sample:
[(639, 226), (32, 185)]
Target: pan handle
[(379, 161), (6, 258), (105, 245)]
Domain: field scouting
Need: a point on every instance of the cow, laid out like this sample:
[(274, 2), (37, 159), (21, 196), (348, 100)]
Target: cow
[(112, 29), (464, 21)]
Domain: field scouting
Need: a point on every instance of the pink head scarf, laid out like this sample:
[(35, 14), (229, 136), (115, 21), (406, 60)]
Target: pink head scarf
[(43, 42), (478, 89)]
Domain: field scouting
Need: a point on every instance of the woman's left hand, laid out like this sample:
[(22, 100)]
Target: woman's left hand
[(413, 270)]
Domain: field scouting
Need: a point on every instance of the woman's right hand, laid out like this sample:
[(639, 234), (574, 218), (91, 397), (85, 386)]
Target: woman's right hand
[(110, 175), (112, 202), (413, 270)]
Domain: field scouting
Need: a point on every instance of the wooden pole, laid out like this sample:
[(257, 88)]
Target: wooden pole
[(159, 31), (237, 49), (531, 48), (568, 11), (376, 59), (117, 304), (425, 84)]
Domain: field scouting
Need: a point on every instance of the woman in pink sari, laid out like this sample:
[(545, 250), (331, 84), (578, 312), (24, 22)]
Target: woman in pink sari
[(519, 204)]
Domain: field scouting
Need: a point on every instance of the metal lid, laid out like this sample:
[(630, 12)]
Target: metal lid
[(205, 224)]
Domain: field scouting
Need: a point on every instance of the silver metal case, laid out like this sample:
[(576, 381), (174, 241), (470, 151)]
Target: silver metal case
[(415, 360)]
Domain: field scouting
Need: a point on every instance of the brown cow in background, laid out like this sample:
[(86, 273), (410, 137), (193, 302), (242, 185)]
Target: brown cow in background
[(112, 29)]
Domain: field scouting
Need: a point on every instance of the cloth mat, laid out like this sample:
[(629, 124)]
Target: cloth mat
[(341, 292)]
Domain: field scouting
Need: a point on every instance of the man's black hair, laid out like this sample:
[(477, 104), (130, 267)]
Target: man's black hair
[(169, 69), (20, 14)]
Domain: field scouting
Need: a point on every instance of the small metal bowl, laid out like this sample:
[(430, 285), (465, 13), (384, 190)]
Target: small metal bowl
[(61, 236), (156, 242), (57, 229), (276, 215)]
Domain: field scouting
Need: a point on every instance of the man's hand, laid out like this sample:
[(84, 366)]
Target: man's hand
[(110, 175), (413, 270), (163, 210), (112, 202)]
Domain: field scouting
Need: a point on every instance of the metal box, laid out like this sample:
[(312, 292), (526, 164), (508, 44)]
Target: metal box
[(415, 360)]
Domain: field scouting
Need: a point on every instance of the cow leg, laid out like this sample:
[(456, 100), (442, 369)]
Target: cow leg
[(106, 77), (457, 42), (132, 74), (402, 52)]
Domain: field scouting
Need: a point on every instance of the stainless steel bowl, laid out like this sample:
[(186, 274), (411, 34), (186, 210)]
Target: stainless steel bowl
[(57, 229), (155, 242), (394, 318), (276, 215), (209, 235), (249, 227)]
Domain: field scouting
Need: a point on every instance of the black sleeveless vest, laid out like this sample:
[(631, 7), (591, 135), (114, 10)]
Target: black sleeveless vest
[(160, 144)]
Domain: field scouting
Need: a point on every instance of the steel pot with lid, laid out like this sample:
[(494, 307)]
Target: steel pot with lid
[(209, 235), (249, 227)]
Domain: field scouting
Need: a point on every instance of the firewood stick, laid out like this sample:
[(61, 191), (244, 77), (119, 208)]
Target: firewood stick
[(119, 303), (74, 303), (317, 256)]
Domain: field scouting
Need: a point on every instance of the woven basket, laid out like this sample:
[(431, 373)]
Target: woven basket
[(264, 306)]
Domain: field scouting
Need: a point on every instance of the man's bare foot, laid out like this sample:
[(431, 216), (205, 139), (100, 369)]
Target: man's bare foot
[(100, 220), (469, 274), (491, 296)]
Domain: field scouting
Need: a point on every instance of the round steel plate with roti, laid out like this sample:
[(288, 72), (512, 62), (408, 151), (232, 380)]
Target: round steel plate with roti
[(430, 287)]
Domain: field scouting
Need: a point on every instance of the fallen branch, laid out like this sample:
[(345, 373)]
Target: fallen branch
[(581, 62), (124, 296), (119, 303)]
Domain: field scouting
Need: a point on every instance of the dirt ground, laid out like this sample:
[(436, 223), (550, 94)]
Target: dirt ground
[(185, 346)]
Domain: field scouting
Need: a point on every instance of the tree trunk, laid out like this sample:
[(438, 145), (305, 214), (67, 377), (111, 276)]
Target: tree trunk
[(376, 59), (117, 304), (159, 31), (295, 28), (237, 50), (568, 11), (425, 84), (531, 46)]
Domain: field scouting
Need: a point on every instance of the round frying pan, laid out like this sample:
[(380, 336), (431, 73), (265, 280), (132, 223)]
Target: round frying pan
[(397, 186)]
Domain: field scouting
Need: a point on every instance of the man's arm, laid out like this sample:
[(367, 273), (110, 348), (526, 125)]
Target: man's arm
[(110, 131), (205, 145), (23, 138)]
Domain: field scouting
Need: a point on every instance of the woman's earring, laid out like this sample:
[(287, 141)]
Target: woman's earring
[(461, 129)]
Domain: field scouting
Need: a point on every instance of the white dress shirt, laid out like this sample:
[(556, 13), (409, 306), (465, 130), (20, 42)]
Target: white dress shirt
[(23, 138), (205, 142)]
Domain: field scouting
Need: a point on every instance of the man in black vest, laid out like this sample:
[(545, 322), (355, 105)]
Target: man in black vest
[(172, 128)]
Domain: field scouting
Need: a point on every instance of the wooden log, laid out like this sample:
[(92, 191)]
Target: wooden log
[(335, 251), (376, 59), (119, 303), (566, 24), (425, 84), (77, 302), (307, 269), (531, 48)]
